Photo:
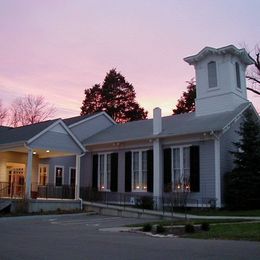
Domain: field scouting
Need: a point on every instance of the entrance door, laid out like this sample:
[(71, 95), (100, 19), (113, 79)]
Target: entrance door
[(16, 181)]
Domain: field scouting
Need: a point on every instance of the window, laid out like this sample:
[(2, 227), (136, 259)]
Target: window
[(181, 168), (72, 176), (212, 74), (238, 75), (59, 176), (43, 174), (104, 171), (139, 171)]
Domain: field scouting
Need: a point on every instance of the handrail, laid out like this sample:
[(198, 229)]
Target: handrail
[(3, 189)]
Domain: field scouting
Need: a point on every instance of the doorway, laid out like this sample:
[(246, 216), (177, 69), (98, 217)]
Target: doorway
[(16, 179)]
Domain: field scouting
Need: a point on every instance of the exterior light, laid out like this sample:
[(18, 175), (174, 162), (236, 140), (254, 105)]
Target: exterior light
[(34, 152), (47, 151), (102, 187), (137, 187)]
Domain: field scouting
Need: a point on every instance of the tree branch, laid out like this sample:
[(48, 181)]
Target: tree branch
[(253, 90)]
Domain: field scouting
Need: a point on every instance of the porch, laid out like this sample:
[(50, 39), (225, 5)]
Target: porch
[(22, 174)]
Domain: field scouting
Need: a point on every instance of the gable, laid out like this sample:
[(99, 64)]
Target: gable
[(56, 138), (91, 126)]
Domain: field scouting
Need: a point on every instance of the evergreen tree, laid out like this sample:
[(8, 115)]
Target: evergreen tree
[(242, 185), (116, 97), (186, 103)]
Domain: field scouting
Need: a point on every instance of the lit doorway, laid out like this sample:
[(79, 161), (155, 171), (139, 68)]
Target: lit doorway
[(16, 179)]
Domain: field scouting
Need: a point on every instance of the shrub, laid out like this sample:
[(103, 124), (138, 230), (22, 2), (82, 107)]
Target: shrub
[(147, 227), (160, 229), (189, 228), (205, 226)]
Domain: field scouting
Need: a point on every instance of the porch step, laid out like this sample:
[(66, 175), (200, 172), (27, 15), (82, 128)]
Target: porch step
[(4, 204)]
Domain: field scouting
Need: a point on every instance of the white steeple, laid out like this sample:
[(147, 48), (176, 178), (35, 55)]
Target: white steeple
[(220, 78)]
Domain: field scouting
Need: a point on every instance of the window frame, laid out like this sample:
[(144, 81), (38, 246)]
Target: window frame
[(47, 175), (105, 172), (140, 169), (62, 181), (238, 76), (181, 161), (216, 67)]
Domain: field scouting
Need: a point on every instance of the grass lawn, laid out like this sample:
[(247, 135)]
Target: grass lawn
[(183, 222), (220, 212), (236, 231)]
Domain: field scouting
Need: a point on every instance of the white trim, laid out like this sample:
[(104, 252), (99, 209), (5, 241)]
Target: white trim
[(70, 168), (217, 172), (227, 126), (92, 117), (181, 149), (140, 169), (105, 171), (55, 167), (47, 167), (241, 53)]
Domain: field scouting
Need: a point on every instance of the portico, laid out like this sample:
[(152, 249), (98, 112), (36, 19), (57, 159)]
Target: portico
[(20, 161)]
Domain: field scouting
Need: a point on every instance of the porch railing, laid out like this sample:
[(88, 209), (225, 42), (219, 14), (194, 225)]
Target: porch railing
[(12, 190), (167, 202), (51, 191)]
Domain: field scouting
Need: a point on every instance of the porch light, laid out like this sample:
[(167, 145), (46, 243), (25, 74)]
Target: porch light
[(47, 151), (102, 187), (34, 152), (137, 187), (178, 186)]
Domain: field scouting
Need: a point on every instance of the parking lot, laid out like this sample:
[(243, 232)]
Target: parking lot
[(82, 236)]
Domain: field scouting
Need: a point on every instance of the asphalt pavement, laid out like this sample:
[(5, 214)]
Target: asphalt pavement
[(82, 236)]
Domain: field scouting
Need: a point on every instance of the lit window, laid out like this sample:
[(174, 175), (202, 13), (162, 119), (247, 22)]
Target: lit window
[(43, 174), (139, 171), (212, 74), (181, 168), (104, 172)]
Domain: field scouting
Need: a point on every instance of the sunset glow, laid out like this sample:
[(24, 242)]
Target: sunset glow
[(58, 48)]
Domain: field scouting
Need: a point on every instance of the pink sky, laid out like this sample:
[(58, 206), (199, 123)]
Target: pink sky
[(57, 48)]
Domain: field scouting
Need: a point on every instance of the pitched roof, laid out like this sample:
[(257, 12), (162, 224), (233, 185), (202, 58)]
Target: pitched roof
[(76, 119), (23, 133), (4, 128), (176, 125)]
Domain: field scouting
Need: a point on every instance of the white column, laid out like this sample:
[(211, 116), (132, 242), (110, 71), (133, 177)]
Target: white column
[(29, 173), (157, 170), (77, 181), (217, 172)]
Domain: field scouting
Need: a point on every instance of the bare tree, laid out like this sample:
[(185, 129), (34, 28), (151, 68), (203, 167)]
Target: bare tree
[(3, 113), (253, 74), (29, 110)]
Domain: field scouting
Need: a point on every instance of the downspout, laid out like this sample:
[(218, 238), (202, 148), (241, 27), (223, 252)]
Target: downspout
[(217, 168)]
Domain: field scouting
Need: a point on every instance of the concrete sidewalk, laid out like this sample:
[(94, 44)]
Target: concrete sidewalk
[(152, 214)]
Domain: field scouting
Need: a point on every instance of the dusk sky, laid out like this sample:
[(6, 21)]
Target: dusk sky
[(57, 48)]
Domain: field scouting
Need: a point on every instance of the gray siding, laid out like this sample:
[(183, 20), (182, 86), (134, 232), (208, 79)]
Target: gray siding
[(91, 127), (207, 169), (66, 162), (57, 142), (226, 146)]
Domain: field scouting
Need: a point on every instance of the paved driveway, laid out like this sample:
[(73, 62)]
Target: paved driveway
[(79, 237)]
